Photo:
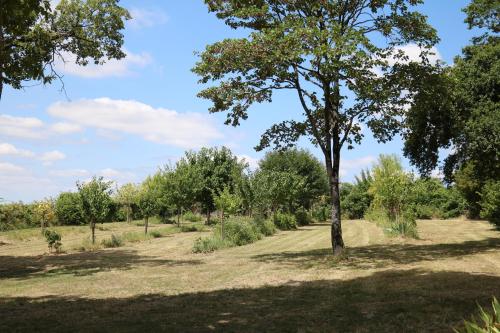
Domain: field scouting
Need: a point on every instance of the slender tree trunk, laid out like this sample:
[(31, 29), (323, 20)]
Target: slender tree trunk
[(208, 216), (178, 218), (333, 168), (146, 221), (129, 217), (222, 223), (43, 225), (92, 227)]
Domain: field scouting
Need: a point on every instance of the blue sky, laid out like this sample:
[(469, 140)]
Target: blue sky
[(129, 117)]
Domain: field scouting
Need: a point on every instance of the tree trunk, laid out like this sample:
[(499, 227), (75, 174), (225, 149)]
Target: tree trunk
[(146, 220), (222, 224), (129, 217), (178, 218), (208, 216), (92, 226), (333, 179), (43, 225)]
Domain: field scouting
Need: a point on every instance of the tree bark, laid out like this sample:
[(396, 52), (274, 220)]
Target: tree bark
[(92, 226), (146, 221), (129, 219), (333, 168), (208, 217)]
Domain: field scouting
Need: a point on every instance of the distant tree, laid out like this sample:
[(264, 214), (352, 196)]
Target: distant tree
[(45, 211), (332, 54), (457, 108), (34, 34), (277, 190), (216, 168), (147, 200), (127, 197), (356, 198), (95, 197), (303, 164), (68, 209)]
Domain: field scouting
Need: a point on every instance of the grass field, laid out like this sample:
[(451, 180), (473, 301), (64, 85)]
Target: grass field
[(285, 283)]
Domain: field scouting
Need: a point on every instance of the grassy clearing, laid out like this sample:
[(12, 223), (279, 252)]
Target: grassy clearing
[(284, 283)]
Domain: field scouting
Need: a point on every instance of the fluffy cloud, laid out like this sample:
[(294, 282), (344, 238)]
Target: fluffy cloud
[(9, 169), (253, 163), (111, 68), (50, 157), (353, 166), (184, 130), (70, 173), (33, 128), (144, 18), (413, 51), (65, 128), (8, 149)]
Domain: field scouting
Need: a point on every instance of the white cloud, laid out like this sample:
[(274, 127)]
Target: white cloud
[(8, 149), (65, 128), (353, 166), (185, 130), (9, 168), (145, 18), (111, 68), (21, 127), (70, 173), (413, 51), (50, 157), (253, 163)]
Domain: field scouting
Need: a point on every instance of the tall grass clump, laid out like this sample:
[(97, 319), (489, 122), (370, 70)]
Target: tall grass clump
[(210, 244), (487, 322), (114, 241), (192, 217), (265, 227)]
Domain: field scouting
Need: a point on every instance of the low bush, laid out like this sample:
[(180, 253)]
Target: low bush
[(210, 244), (53, 239), (192, 228), (192, 217), (155, 234), (240, 232), (87, 246), (284, 221), (265, 227), (302, 217), (487, 323), (134, 237), (490, 202), (114, 241), (322, 213)]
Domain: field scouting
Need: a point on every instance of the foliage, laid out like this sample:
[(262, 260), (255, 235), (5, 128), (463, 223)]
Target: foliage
[(355, 199), (68, 209), (96, 200), (326, 52), (457, 109), (266, 227), (18, 215), (147, 200), (127, 196), (227, 202), (487, 323), (284, 221), (35, 35), (192, 217), (303, 217), (490, 202), (114, 241), (239, 232), (209, 244), (53, 239), (391, 188)]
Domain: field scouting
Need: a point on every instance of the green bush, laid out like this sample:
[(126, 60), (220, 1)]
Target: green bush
[(68, 209), (302, 217), (155, 234), (405, 226), (192, 228), (114, 241), (192, 217), (322, 213), (490, 202), (284, 221), (240, 232), (53, 239), (488, 323), (265, 227), (210, 244)]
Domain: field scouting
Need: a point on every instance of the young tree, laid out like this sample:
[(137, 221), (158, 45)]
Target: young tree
[(332, 55), (147, 200), (127, 197), (226, 202), (96, 200), (34, 35), (45, 211)]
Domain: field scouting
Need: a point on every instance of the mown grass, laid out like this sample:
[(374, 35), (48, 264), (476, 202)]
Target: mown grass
[(288, 282)]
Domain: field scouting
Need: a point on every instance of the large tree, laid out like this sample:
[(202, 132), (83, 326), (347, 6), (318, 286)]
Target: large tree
[(342, 58), (458, 108), (34, 34)]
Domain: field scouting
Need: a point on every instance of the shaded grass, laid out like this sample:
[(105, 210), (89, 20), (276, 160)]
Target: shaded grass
[(397, 301)]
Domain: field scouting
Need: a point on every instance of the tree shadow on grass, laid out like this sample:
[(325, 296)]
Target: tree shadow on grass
[(381, 255), (79, 264), (394, 301)]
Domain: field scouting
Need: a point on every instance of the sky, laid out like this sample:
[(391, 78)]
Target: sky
[(125, 119)]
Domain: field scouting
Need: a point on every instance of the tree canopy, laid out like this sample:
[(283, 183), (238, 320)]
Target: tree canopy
[(34, 34)]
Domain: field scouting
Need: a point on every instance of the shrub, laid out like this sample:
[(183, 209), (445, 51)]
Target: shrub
[(192, 217), (405, 226), (16, 216), (155, 234), (240, 232), (87, 246), (53, 239), (114, 241), (265, 227), (489, 323), (284, 221), (209, 244), (322, 213), (490, 202), (189, 228), (68, 209), (302, 217)]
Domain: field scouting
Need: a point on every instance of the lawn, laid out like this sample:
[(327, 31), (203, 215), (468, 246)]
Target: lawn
[(285, 283)]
